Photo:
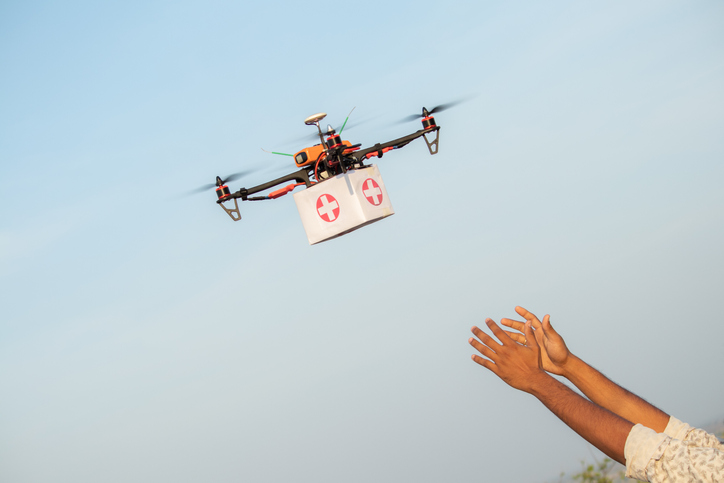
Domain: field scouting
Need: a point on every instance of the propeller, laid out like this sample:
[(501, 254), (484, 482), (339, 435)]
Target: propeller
[(221, 182), (429, 112), (315, 137), (311, 137)]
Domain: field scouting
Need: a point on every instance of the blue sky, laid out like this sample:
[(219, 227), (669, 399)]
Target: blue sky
[(145, 336)]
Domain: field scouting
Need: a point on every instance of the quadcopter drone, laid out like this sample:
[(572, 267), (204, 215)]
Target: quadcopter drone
[(342, 192)]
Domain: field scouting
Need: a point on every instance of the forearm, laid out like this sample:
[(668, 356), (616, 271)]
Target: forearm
[(597, 425), (607, 394)]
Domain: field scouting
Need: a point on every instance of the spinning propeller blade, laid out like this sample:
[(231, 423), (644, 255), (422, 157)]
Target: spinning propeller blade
[(231, 177), (443, 107), (236, 176), (429, 112), (315, 136)]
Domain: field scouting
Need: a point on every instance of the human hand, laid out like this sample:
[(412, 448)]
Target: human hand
[(554, 352), (519, 365)]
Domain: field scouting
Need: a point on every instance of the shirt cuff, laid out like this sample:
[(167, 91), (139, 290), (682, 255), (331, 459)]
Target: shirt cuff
[(642, 445), (676, 429)]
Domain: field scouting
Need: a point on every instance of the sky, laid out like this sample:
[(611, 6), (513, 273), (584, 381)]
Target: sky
[(145, 336)]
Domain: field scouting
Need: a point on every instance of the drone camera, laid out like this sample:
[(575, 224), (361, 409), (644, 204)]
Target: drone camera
[(310, 155), (307, 156), (301, 158)]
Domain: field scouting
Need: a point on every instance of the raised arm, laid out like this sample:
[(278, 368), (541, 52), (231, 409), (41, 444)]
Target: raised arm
[(557, 359), (518, 365)]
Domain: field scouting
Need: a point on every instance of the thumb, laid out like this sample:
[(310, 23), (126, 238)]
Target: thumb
[(547, 327)]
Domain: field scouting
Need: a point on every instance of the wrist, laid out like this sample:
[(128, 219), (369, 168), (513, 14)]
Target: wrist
[(571, 367), (539, 384)]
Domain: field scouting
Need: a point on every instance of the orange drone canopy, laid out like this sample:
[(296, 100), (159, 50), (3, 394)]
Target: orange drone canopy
[(308, 156)]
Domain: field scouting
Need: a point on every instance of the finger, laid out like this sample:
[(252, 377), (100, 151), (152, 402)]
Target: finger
[(482, 348), (485, 363), (485, 338), (497, 331), (529, 317), (513, 324), (530, 336), (516, 336)]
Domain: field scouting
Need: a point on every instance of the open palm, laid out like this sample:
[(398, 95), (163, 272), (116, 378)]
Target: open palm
[(554, 352)]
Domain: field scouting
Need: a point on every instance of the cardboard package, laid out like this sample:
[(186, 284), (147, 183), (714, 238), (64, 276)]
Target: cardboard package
[(342, 204)]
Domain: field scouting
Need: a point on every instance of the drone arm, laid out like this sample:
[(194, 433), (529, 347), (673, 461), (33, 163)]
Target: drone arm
[(301, 177), (282, 191), (378, 149)]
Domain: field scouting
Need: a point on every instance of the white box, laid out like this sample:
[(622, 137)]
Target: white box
[(342, 204)]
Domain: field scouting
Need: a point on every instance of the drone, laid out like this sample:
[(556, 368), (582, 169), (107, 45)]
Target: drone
[(341, 191)]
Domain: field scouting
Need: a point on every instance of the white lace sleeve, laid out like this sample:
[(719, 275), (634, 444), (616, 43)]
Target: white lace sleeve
[(698, 437), (657, 457)]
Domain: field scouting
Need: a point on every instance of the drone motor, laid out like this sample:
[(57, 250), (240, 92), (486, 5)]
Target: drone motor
[(222, 191), (428, 122), (334, 140)]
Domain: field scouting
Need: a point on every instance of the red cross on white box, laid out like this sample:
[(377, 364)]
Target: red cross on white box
[(327, 208), (372, 191)]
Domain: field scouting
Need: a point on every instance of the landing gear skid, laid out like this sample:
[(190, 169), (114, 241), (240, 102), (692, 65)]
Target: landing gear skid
[(233, 213), (432, 145)]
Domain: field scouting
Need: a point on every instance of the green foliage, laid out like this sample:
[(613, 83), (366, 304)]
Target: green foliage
[(605, 471), (596, 473)]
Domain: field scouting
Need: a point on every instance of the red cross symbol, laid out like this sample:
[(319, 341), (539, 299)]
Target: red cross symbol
[(327, 208), (372, 191)]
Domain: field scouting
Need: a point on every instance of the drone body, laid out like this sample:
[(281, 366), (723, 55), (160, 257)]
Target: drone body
[(341, 193)]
